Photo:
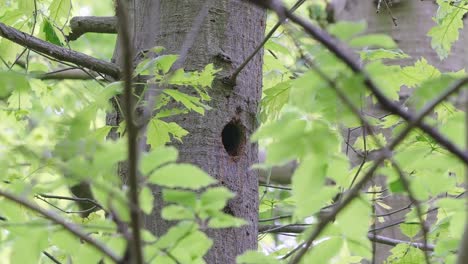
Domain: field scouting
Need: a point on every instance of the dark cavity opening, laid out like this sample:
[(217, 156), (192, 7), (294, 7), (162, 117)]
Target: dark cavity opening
[(233, 138)]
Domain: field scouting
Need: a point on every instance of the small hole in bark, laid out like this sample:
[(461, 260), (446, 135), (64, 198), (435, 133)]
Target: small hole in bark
[(233, 138)]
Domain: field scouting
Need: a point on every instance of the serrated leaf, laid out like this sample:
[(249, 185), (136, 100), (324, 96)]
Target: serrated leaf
[(160, 132), (191, 102), (449, 21)]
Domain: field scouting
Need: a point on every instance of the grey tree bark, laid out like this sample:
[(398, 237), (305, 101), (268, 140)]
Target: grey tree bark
[(414, 19), (218, 141)]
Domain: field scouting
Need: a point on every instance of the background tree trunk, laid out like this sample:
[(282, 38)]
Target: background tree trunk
[(414, 19), (218, 141)]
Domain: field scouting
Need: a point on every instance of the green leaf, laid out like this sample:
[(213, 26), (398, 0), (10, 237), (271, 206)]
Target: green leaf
[(185, 198), (157, 157), (34, 241), (405, 254), (379, 54), (345, 30), (339, 170), (417, 74), (59, 10), (430, 89), (255, 257), (370, 143), (454, 128), (177, 212), (191, 102), (449, 21), (175, 234), (158, 65), (388, 78), (50, 34), (411, 229), (309, 178), (222, 220), (181, 175), (12, 81), (358, 212), (146, 200), (192, 248), (324, 250), (215, 198), (185, 242), (160, 132), (25, 6), (373, 40)]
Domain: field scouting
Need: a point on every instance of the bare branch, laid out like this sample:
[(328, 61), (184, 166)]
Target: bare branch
[(91, 24), (58, 52), (135, 244), (72, 228)]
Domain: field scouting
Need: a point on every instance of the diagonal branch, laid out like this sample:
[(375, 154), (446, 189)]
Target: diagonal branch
[(72, 228), (58, 52)]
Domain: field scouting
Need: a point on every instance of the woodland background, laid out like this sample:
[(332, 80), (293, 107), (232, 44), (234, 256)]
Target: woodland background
[(230, 131)]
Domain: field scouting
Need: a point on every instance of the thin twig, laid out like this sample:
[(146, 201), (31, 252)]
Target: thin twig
[(52, 258), (275, 187), (260, 46), (135, 244), (76, 199), (279, 217), (65, 211)]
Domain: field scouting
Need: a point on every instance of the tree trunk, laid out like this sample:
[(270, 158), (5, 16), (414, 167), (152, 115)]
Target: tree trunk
[(413, 19), (218, 141)]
